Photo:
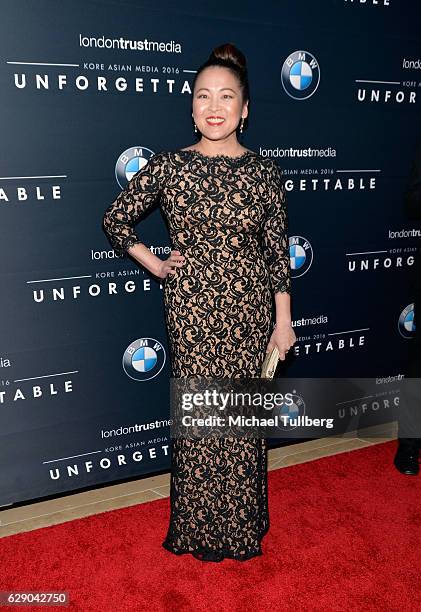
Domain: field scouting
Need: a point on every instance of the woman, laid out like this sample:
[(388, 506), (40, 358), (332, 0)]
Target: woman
[(225, 206)]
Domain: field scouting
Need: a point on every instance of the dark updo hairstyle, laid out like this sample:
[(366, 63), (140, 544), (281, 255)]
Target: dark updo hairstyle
[(228, 56)]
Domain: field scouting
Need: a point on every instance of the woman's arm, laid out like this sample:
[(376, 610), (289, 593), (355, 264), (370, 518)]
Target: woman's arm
[(119, 219), (275, 245), (283, 307)]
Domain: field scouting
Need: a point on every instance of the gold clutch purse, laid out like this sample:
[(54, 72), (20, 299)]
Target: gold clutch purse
[(269, 364)]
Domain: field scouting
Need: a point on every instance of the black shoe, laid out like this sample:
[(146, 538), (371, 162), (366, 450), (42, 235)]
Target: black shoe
[(407, 462)]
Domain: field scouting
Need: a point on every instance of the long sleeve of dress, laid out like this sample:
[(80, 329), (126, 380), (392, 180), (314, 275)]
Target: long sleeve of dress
[(275, 244), (144, 188)]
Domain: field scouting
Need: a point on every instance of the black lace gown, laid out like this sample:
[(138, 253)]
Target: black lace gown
[(227, 216)]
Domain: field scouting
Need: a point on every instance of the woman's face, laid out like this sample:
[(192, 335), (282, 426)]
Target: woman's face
[(218, 103)]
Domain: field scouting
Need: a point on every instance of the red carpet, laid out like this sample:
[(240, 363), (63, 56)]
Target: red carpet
[(345, 535)]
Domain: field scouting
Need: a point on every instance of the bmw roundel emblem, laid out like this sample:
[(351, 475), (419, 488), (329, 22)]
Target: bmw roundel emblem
[(290, 411), (131, 161), (301, 255), (300, 75), (144, 358), (406, 323)]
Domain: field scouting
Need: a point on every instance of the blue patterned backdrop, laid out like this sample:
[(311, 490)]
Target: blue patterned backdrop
[(89, 91)]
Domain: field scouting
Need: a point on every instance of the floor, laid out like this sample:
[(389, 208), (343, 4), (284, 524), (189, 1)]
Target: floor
[(77, 505)]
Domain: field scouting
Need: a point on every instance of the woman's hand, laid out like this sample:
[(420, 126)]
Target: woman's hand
[(283, 337), (167, 266)]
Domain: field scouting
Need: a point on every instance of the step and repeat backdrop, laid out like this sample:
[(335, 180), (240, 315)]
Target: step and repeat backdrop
[(90, 91)]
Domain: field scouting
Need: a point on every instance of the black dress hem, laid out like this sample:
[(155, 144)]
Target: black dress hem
[(206, 554)]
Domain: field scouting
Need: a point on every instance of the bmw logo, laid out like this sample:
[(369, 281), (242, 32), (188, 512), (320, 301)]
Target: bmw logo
[(130, 162), (143, 359), (300, 75), (406, 323), (290, 411), (301, 255)]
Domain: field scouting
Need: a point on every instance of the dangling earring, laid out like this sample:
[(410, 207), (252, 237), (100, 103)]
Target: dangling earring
[(195, 127), (242, 124)]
